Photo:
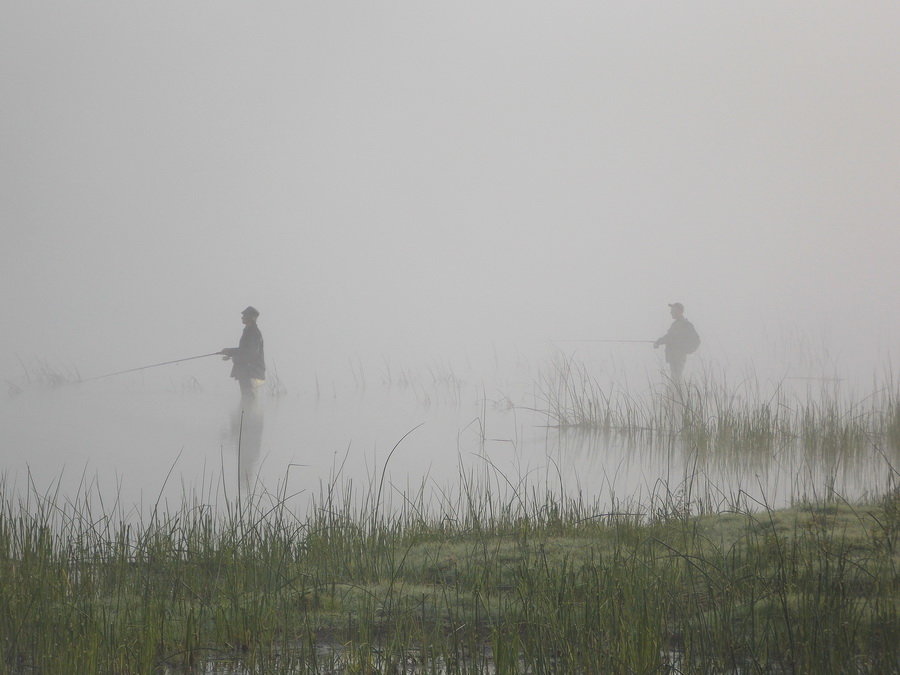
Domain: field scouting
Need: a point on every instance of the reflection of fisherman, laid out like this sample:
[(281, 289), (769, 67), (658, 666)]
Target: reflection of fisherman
[(680, 340), (249, 367)]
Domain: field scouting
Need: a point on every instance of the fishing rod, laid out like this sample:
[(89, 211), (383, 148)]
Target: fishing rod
[(153, 365), (607, 340)]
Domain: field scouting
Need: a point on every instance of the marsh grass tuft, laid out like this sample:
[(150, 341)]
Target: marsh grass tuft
[(712, 414), (42, 375)]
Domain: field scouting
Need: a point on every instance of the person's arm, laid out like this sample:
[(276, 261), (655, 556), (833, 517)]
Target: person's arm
[(246, 349), (664, 340)]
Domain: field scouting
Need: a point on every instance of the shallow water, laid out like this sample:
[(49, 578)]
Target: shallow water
[(162, 437)]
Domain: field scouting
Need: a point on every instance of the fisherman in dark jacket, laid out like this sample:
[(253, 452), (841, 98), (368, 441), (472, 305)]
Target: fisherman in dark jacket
[(249, 361), (680, 340)]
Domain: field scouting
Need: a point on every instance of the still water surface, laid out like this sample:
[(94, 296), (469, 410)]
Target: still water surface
[(173, 434)]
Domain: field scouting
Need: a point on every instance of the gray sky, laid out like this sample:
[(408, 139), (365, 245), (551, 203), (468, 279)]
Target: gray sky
[(407, 177)]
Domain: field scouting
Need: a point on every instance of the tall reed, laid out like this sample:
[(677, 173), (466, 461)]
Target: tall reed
[(713, 413)]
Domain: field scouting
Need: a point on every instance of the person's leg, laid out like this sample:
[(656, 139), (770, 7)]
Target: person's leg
[(248, 391), (676, 365)]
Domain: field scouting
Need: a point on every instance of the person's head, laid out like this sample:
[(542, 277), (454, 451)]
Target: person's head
[(676, 309), (249, 315)]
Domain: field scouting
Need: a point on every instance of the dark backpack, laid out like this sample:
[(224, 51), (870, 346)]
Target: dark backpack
[(692, 339)]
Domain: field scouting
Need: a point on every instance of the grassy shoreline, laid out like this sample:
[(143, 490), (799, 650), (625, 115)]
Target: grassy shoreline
[(492, 575), (537, 584)]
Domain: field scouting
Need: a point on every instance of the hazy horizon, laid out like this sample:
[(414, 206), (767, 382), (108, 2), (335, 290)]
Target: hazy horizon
[(399, 180)]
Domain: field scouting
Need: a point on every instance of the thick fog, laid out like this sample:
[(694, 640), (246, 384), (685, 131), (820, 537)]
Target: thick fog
[(412, 178)]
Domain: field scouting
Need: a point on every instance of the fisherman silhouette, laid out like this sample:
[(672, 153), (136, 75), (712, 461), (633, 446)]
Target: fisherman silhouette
[(248, 358), (680, 340), (249, 369)]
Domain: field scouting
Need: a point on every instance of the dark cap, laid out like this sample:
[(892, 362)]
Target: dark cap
[(673, 305), (252, 312)]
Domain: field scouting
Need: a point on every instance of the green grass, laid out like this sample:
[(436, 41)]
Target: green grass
[(532, 581)]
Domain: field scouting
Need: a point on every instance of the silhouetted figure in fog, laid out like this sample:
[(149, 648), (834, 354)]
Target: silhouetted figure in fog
[(680, 340), (249, 369), (248, 357)]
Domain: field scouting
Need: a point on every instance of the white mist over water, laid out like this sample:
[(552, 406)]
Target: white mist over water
[(406, 187), (177, 435)]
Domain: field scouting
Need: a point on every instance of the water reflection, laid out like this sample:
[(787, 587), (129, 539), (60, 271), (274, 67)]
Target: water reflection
[(724, 468), (247, 423)]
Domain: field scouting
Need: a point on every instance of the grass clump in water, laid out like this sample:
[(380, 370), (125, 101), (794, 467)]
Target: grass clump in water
[(824, 422)]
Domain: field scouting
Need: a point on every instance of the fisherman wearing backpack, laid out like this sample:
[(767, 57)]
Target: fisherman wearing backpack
[(680, 340)]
